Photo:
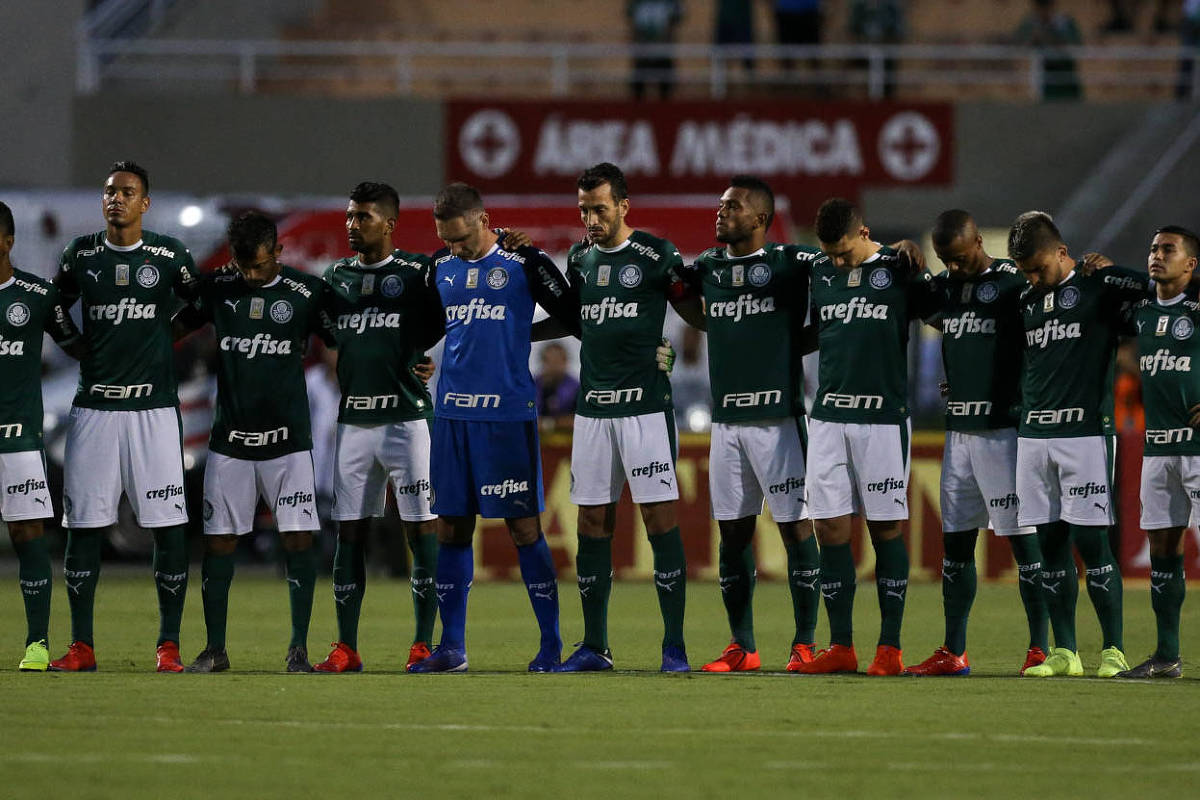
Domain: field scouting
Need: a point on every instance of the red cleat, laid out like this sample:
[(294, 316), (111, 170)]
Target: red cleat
[(887, 661), (942, 662), (79, 657), (1034, 657), (734, 658), (418, 652), (167, 656), (342, 659), (801, 654), (837, 659)]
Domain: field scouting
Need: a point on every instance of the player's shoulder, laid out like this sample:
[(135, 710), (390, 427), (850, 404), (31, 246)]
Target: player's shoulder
[(1122, 278), (651, 245), (28, 283), (83, 246), (418, 261), (1007, 267), (712, 255), (160, 244), (299, 281), (578, 250), (342, 263)]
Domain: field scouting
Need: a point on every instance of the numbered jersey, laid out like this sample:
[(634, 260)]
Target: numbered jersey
[(755, 308), (1169, 362), (1070, 345), (623, 302), (862, 317), (981, 330), (127, 297), (379, 315), (262, 333), (29, 307)]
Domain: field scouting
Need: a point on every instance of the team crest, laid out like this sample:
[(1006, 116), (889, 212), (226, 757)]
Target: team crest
[(987, 292), (1182, 329), (630, 276), (281, 311), (881, 278), (1068, 298), (391, 286), (18, 314), (497, 278), (759, 275), (121, 277), (147, 276)]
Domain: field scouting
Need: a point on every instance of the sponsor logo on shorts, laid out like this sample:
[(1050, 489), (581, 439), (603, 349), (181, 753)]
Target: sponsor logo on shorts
[(28, 487), (651, 469), (258, 438), (477, 309), (165, 493), (371, 402), (1054, 416), (294, 499), (11, 431), (1008, 501), (460, 400), (504, 489), (610, 397), (413, 488), (751, 399), (886, 485), (114, 392), (787, 486), (1169, 435), (1088, 489)]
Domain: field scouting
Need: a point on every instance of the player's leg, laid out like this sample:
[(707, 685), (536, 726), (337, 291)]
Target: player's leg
[(288, 485), (423, 547), (300, 563), (541, 581), (23, 507)]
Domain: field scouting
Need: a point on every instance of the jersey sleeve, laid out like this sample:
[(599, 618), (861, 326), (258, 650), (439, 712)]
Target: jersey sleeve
[(66, 281), (320, 324), (935, 308), (924, 298), (58, 322), (678, 287), (550, 289), (1123, 290), (186, 281), (430, 321), (197, 311)]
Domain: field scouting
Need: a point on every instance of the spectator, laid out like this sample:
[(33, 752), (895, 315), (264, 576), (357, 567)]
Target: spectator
[(735, 25), (556, 389), (1189, 38), (798, 22), (1049, 30), (1128, 412), (879, 22), (653, 22)]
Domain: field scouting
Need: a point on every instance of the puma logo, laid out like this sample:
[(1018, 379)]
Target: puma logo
[(828, 595), (828, 279), (233, 304), (179, 508), (809, 586), (174, 590), (898, 595), (716, 276), (727, 583), (449, 279), (74, 587), (295, 581), (1052, 588), (39, 500), (345, 286), (583, 590), (341, 601), (1157, 587), (1103, 508), (898, 501), (948, 577), (442, 596), (95, 275), (544, 595), (306, 511), (665, 482), (666, 587), (1098, 584), (1031, 580)]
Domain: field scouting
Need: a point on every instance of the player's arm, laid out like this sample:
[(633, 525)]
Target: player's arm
[(187, 281), (911, 255), (320, 323), (195, 313), (430, 321), (550, 327), (551, 290), (1123, 290), (66, 280), (62, 328), (684, 292)]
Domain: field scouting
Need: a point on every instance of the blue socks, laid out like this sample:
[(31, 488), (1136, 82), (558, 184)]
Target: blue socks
[(455, 572), (537, 570)]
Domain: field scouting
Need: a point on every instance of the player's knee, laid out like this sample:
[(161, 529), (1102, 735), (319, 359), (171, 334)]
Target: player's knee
[(835, 530), (353, 530), (658, 517), (456, 531), (1165, 543), (524, 530), (223, 545), (795, 532), (26, 531), (596, 522), (296, 541), (883, 531)]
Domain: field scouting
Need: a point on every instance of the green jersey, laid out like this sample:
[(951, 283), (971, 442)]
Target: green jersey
[(128, 295), (755, 307), (262, 334), (981, 330), (379, 313), (862, 317), (29, 307), (623, 304), (1070, 346), (1167, 343)]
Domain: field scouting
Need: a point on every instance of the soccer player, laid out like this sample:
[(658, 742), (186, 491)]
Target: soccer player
[(1167, 344), (1064, 445), (261, 444), (378, 303), (123, 432), (979, 317), (30, 306), (864, 296), (485, 457)]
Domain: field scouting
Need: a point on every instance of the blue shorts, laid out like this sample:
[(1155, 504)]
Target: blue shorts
[(493, 469)]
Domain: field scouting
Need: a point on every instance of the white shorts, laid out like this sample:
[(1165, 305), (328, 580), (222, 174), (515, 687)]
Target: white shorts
[(1065, 479), (136, 451), (366, 457), (858, 468), (606, 452), (979, 482), (23, 486), (750, 460), (1170, 491), (232, 487)]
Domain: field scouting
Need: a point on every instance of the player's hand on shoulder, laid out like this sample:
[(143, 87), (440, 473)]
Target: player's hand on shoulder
[(911, 256), (424, 369), (1094, 261), (512, 240), (664, 354)]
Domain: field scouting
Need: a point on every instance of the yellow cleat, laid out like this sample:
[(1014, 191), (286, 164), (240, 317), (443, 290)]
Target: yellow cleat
[(37, 658), (1112, 661), (1061, 661)]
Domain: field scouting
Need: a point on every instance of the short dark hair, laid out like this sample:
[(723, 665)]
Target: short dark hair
[(456, 200), (136, 169), (1191, 242), (950, 225), (602, 173), (836, 218), (7, 226), (380, 194), (250, 230), (1031, 233), (760, 190)]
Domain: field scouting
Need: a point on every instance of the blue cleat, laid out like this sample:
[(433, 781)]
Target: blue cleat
[(674, 660), (587, 659), (442, 659), (546, 660)]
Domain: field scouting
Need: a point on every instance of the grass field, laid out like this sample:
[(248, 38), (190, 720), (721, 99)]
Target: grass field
[(253, 732)]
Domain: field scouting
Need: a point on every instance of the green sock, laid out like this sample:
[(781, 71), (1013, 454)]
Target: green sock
[(33, 575), (301, 568), (81, 573), (216, 574), (170, 578), (349, 586), (593, 565), (1103, 576), (891, 585), (1060, 581), (959, 582), (424, 547), (1167, 587), (804, 582), (1028, 555), (670, 580), (737, 576), (837, 587)]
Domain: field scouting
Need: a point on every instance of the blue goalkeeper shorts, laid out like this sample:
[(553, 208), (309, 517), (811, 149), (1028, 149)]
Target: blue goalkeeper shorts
[(493, 469)]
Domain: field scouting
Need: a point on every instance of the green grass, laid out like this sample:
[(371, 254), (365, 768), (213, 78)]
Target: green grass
[(497, 731)]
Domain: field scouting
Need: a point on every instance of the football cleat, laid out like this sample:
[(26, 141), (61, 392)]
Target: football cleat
[(210, 659), (442, 659), (167, 658), (418, 652), (1061, 661), (674, 659), (297, 659), (79, 657), (1155, 667), (801, 654), (1112, 663), (342, 659), (1033, 657), (734, 658), (587, 659), (942, 662), (37, 657), (887, 661), (837, 659), (547, 660)]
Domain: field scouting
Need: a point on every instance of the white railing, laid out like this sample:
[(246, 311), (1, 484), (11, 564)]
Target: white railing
[(561, 69), (110, 16)]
